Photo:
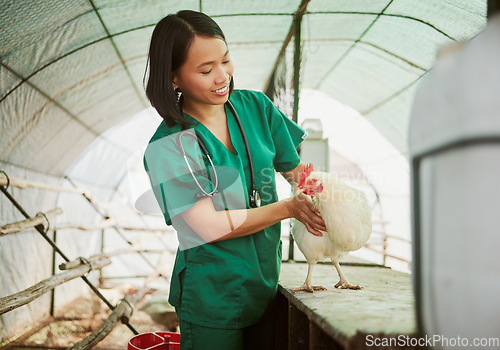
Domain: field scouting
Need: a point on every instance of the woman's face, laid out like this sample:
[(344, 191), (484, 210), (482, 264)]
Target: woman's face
[(205, 76)]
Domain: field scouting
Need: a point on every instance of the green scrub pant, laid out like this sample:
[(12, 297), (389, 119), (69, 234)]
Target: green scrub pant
[(259, 336)]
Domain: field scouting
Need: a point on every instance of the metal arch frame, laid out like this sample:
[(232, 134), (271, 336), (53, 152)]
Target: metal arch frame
[(110, 37)]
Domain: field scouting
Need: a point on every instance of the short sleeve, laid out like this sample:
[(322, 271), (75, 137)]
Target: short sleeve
[(173, 183), (287, 135)]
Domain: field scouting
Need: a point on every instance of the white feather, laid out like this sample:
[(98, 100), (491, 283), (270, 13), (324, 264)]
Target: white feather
[(347, 217)]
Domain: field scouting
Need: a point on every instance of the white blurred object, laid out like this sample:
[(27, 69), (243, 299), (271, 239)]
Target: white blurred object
[(314, 149), (160, 310), (454, 144)]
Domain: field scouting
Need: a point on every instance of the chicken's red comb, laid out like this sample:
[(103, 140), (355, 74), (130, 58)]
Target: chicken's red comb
[(305, 173)]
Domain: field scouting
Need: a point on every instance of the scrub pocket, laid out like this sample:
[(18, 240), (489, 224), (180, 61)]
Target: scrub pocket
[(212, 290), (176, 283)]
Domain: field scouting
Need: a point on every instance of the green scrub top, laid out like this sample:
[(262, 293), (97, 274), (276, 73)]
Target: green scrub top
[(227, 284)]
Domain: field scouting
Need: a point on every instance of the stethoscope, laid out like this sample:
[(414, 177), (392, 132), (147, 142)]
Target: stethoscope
[(255, 198)]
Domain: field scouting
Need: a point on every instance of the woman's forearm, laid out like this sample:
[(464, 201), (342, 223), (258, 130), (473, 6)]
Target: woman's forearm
[(212, 225), (247, 221)]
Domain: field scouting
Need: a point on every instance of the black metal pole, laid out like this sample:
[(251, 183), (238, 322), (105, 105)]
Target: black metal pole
[(53, 291), (297, 60)]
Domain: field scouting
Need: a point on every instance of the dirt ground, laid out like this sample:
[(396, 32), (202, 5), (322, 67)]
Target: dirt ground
[(76, 322)]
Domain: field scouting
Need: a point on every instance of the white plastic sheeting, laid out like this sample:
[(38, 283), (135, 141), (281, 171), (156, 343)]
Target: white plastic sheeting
[(72, 69)]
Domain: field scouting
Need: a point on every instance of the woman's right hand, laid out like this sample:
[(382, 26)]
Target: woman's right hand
[(302, 208)]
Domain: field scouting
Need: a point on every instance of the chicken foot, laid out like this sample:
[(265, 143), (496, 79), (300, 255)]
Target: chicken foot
[(343, 283), (307, 284)]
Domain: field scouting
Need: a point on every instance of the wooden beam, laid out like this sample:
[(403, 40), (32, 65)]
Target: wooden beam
[(93, 260), (26, 296), (39, 219), (123, 308), (106, 223), (121, 312), (22, 184), (109, 223)]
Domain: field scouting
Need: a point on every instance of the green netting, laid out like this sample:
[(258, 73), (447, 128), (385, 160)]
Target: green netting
[(134, 44), (459, 19), (121, 16), (280, 89), (367, 75), (7, 81), (337, 26), (22, 117), (412, 41), (373, 6), (77, 69), (249, 72), (263, 28), (350, 52), (391, 117), (34, 33), (230, 7)]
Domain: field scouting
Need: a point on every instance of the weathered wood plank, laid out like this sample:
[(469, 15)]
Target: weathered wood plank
[(93, 260), (121, 312), (22, 184), (26, 296), (39, 219), (385, 306), (107, 326)]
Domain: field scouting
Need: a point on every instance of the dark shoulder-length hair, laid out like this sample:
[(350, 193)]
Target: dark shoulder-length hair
[(168, 50)]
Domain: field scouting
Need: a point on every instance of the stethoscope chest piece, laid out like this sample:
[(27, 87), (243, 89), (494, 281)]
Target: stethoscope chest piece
[(255, 199)]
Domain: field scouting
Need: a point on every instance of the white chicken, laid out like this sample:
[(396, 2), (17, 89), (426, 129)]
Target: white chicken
[(347, 218)]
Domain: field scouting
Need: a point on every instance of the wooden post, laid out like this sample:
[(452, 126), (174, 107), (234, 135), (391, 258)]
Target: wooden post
[(26, 296), (107, 326), (121, 312), (39, 219)]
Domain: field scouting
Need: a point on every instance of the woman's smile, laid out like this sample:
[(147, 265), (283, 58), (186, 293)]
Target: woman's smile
[(222, 91)]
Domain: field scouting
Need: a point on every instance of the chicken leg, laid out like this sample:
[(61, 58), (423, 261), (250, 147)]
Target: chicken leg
[(343, 283), (307, 284)]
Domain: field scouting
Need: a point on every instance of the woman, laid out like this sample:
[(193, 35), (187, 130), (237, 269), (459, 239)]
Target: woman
[(226, 270)]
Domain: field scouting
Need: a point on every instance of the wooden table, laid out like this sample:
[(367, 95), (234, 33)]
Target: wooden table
[(345, 319)]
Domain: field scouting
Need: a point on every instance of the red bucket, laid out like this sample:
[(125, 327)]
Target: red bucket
[(155, 341)]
